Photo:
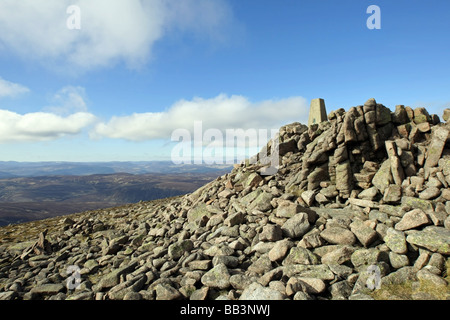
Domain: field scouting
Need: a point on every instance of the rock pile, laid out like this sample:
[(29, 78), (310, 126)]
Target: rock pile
[(359, 209)]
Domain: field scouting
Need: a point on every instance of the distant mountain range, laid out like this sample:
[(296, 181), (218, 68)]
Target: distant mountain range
[(10, 169), (34, 191)]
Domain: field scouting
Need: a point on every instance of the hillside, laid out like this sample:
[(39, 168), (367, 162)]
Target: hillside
[(357, 209), (32, 198)]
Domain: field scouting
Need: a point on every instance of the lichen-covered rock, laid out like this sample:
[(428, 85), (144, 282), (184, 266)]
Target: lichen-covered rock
[(433, 238)]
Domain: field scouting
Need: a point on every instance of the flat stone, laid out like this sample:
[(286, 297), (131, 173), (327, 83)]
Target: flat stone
[(436, 281), (366, 257), (412, 219), (368, 194), (217, 277), (309, 197), (338, 235), (363, 203), (430, 193), (396, 241), (199, 294), (234, 219), (393, 194), (296, 226), (176, 250), (401, 276), (257, 292), (299, 255), (48, 288), (417, 203), (280, 249), (262, 202), (307, 285), (398, 261), (287, 209), (200, 264), (319, 271), (339, 256), (271, 232), (112, 278), (166, 292), (433, 238), (363, 233)]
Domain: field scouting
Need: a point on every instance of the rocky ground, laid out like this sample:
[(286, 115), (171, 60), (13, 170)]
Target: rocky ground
[(358, 209)]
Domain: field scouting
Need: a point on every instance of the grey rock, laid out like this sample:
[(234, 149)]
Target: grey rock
[(262, 265), (412, 219), (439, 138), (234, 219), (271, 232), (164, 291), (434, 280), (383, 178), (393, 194), (340, 290), (217, 277), (296, 226), (435, 239), (176, 250), (398, 261), (298, 255), (307, 285), (8, 295), (112, 278), (396, 241), (280, 249), (199, 294), (366, 257), (319, 271), (401, 276), (287, 209), (430, 193), (255, 291), (339, 256), (309, 197), (48, 289), (338, 235), (368, 194), (363, 233)]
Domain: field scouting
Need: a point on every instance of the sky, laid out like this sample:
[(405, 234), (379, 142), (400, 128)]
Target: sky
[(116, 80)]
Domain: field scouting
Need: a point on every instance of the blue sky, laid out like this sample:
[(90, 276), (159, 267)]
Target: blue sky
[(135, 71)]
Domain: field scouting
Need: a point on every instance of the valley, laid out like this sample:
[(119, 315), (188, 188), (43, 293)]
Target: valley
[(24, 199)]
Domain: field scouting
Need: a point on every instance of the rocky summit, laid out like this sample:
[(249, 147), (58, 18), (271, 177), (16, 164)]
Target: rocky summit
[(358, 209)]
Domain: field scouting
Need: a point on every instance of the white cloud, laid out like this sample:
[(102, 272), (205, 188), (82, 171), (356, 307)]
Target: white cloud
[(222, 112), (68, 100), (40, 126), (10, 89), (68, 116), (111, 30)]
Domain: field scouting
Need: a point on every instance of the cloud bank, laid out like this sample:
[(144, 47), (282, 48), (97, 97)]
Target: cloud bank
[(40, 126), (68, 115), (221, 112), (111, 31)]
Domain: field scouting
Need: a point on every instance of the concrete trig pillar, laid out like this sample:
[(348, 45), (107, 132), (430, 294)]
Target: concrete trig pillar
[(317, 112)]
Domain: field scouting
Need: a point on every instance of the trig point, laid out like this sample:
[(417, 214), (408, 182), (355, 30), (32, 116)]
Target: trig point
[(317, 112)]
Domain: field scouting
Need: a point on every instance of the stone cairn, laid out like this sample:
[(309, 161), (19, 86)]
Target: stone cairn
[(358, 209)]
